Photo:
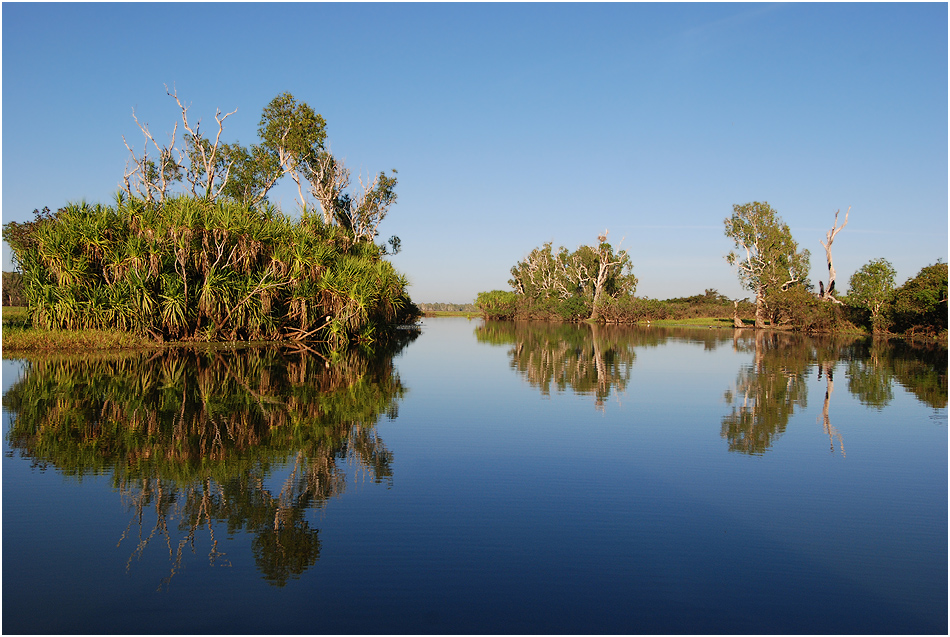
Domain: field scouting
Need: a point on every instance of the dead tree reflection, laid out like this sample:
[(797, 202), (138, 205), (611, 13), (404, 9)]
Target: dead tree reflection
[(828, 367)]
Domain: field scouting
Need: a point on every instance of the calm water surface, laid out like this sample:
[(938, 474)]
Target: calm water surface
[(485, 478)]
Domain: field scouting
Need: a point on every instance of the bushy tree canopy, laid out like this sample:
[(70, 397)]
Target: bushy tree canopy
[(871, 287), (921, 303)]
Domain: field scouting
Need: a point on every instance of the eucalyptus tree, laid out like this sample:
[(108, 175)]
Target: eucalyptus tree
[(767, 257), (360, 213), (293, 134), (608, 266)]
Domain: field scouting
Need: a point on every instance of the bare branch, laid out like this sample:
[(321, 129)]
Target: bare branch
[(198, 148)]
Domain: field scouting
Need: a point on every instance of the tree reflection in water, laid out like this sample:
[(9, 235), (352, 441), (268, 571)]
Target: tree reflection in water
[(589, 359), (767, 392), (191, 439), (596, 360)]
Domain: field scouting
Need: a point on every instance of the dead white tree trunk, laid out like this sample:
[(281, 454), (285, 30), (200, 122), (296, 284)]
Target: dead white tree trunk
[(151, 178), (328, 178), (203, 153), (827, 294)]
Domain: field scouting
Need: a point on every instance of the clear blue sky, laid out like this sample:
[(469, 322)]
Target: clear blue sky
[(515, 124)]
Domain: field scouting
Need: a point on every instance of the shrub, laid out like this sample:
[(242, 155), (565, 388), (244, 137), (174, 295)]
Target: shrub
[(497, 304)]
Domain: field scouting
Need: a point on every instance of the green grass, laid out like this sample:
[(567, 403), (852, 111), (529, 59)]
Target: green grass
[(19, 336), (453, 313)]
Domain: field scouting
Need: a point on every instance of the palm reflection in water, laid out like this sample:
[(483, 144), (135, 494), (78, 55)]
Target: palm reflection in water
[(192, 439)]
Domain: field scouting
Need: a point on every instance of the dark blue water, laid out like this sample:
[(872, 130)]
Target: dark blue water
[(487, 479)]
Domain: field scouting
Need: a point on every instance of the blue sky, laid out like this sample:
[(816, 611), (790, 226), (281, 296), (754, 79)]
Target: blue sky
[(515, 124)]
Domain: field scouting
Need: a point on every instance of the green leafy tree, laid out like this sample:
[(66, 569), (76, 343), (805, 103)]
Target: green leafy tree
[(767, 257), (920, 305), (870, 289), (293, 134), (253, 172)]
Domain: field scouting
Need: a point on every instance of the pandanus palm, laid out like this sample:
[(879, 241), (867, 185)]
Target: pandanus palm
[(196, 269)]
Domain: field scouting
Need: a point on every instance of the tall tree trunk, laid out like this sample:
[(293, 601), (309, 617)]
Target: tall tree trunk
[(595, 311), (736, 321), (759, 309)]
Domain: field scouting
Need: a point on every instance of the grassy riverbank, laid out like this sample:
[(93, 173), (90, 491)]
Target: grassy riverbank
[(469, 315), (18, 335)]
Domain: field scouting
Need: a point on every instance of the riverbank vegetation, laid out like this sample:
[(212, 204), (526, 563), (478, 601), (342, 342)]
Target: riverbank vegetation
[(192, 250), (593, 283)]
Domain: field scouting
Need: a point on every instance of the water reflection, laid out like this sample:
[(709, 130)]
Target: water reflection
[(193, 441), (920, 368), (767, 391), (596, 360), (589, 359)]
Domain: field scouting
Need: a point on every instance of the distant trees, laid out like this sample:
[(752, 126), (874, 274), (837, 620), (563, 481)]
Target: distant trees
[(13, 289), (768, 258), (597, 283), (570, 285), (447, 307)]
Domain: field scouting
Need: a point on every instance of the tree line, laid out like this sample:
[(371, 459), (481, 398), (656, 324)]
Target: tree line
[(192, 249), (593, 283)]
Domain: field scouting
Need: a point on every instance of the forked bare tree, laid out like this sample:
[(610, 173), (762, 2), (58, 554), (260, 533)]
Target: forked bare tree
[(204, 161), (827, 294), (370, 206), (151, 179)]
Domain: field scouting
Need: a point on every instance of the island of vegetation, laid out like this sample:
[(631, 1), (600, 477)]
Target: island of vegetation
[(595, 283), (192, 250)]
